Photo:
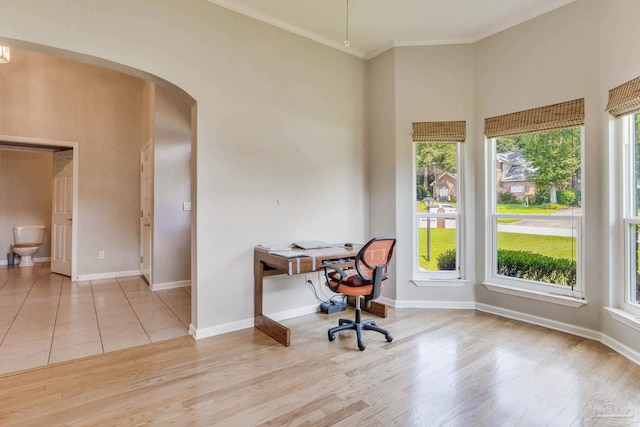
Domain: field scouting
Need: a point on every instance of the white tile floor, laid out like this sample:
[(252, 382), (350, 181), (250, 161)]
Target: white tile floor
[(46, 318)]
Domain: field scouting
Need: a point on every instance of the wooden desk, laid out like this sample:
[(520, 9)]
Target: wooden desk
[(268, 264)]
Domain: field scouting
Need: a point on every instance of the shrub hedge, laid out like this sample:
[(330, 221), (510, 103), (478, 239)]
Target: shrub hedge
[(447, 260), (421, 192), (524, 265)]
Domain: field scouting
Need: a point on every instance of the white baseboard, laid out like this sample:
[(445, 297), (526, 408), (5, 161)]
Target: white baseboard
[(296, 312), (248, 323), (171, 285), (220, 329), (602, 338), (111, 275), (540, 321), (618, 347)]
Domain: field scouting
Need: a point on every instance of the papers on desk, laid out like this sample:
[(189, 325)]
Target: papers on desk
[(274, 248), (283, 251), (290, 254), (311, 244)]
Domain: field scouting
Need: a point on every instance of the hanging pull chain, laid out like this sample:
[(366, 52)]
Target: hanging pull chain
[(346, 40)]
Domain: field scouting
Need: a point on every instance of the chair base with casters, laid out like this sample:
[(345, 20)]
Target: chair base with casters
[(365, 281), (358, 325)]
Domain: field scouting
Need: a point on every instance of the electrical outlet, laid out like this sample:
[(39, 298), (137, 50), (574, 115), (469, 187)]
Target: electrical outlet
[(186, 206), (308, 277), (101, 255)]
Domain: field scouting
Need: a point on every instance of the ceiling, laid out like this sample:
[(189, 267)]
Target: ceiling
[(378, 25)]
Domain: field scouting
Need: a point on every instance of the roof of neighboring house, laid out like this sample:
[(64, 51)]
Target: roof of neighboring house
[(519, 168), (511, 158), (451, 174), (517, 173)]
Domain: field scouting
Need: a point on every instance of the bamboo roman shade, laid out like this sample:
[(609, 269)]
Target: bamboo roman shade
[(625, 99), (565, 114), (439, 131)]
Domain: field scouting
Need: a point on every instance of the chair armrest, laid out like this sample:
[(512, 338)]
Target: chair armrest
[(338, 270)]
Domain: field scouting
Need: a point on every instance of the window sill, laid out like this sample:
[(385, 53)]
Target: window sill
[(536, 295), (624, 317), (440, 282)]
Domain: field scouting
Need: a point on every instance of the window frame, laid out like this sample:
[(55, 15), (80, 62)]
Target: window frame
[(431, 277), (628, 137), (491, 230)]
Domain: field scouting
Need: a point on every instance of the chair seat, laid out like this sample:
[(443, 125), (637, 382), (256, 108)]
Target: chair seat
[(353, 285)]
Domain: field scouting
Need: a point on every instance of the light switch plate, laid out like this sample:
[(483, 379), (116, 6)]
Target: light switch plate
[(186, 206)]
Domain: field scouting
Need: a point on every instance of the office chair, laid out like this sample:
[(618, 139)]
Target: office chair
[(364, 282)]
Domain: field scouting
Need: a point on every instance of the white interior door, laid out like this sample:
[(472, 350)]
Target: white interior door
[(146, 193), (62, 212)]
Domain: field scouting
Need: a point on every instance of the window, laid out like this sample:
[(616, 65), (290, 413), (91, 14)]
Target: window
[(534, 226), (631, 141), (438, 199), (517, 189), (624, 104)]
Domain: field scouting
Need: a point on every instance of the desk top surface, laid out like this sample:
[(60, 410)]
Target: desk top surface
[(334, 251)]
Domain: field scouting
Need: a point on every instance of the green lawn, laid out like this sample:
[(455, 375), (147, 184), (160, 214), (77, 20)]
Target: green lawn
[(552, 246), (441, 240), (521, 209), (444, 238)]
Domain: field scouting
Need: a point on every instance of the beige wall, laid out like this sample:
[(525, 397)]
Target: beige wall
[(172, 187), (25, 195), (416, 84), (579, 51), (619, 62), (381, 92), (53, 98), (282, 141), (281, 127), (551, 59)]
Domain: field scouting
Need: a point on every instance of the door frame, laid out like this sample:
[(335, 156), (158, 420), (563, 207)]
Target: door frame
[(39, 144), (148, 146)]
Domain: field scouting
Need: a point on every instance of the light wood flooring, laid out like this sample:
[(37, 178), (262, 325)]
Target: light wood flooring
[(46, 318), (444, 368)]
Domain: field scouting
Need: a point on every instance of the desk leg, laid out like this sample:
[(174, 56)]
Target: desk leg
[(275, 330)]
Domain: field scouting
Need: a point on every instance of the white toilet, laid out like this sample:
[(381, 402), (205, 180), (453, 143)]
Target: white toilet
[(27, 239)]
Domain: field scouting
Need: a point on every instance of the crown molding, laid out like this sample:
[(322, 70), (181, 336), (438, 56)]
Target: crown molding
[(267, 19)]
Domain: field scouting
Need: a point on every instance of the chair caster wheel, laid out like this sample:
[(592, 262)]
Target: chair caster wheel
[(331, 336), (389, 338), (361, 346)]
